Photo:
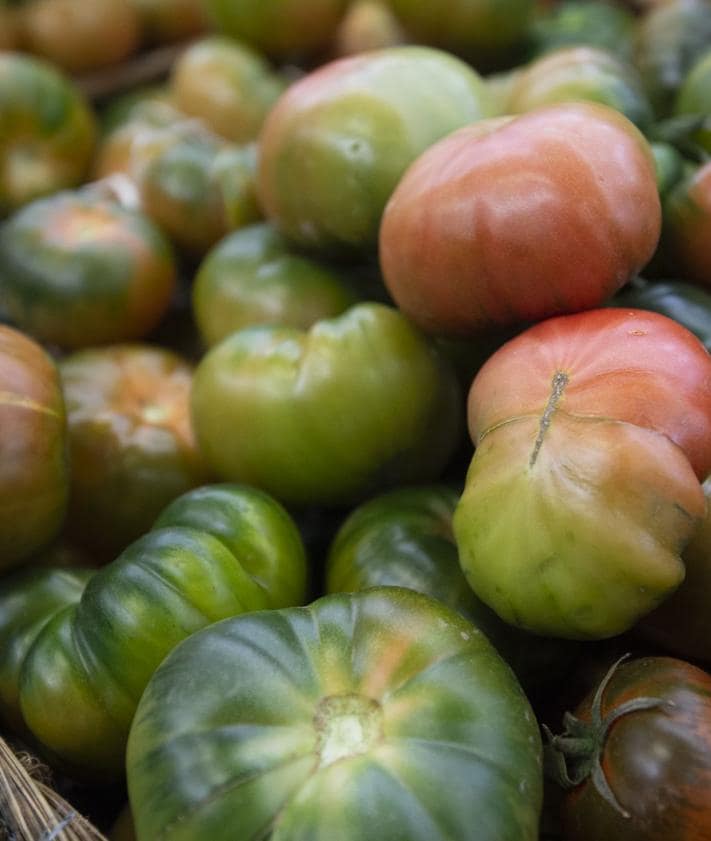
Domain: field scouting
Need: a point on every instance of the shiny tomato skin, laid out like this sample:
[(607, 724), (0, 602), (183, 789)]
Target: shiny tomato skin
[(547, 213), (636, 366), (592, 434), (336, 143), (657, 762)]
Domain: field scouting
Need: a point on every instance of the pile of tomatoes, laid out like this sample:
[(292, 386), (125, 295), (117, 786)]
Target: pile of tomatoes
[(355, 417)]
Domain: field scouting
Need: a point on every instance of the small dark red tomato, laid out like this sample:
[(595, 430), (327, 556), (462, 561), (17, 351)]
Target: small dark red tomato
[(544, 214), (643, 765)]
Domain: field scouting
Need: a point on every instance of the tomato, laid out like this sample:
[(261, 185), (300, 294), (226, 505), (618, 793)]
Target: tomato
[(669, 39), (225, 84), (637, 755), (693, 97), (687, 304), (592, 433), (34, 479), (581, 73), (380, 715), (593, 23), (404, 538), (213, 553), (80, 270), (47, 131), (80, 36), (28, 600), (170, 20), (687, 226), (680, 624), (325, 416), (132, 447), (279, 28), (336, 143), (487, 31), (518, 219), (367, 25), (253, 277)]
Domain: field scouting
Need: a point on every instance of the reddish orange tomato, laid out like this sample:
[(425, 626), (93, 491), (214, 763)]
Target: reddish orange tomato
[(520, 219)]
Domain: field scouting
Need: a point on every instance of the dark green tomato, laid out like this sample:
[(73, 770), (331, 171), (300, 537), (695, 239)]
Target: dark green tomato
[(47, 131), (28, 600), (34, 477), (638, 754), (669, 39), (581, 73), (686, 235), (694, 97), (198, 188), (226, 84), (377, 716), (404, 538), (592, 23), (279, 28), (85, 671), (358, 403), (688, 305), (485, 30), (337, 142), (254, 277), (681, 623), (80, 270), (132, 447)]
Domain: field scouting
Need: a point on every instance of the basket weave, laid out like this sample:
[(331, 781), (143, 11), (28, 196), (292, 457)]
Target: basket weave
[(29, 808)]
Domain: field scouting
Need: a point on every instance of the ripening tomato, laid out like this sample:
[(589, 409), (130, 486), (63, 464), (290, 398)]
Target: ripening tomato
[(593, 432), (687, 226), (517, 219)]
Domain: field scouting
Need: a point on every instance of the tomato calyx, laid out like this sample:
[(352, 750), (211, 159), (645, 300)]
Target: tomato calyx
[(575, 755)]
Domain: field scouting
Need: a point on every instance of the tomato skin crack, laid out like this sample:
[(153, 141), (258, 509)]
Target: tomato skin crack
[(558, 385)]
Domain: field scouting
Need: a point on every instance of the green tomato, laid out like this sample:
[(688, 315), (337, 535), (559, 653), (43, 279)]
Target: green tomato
[(694, 97), (359, 402), (378, 716), (227, 85), (34, 476), (337, 142), (47, 131), (591, 23), (80, 270), (28, 601), (485, 30), (214, 553), (581, 73), (279, 28), (404, 538), (253, 277), (669, 39)]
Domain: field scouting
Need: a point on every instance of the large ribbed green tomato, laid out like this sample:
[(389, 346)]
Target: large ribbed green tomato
[(592, 434), (215, 552), (376, 716), (336, 143), (358, 402), (34, 476)]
